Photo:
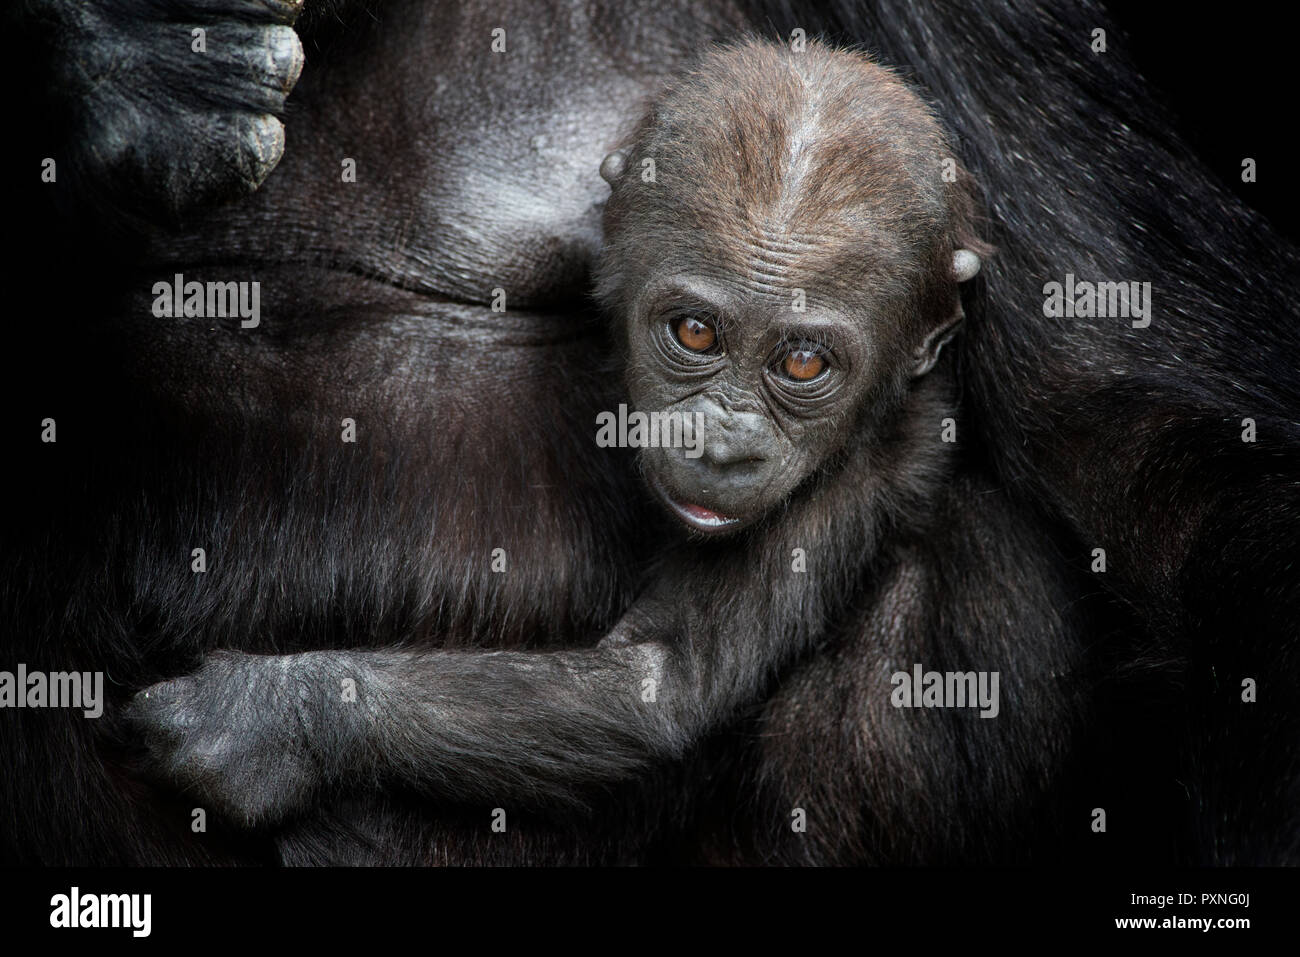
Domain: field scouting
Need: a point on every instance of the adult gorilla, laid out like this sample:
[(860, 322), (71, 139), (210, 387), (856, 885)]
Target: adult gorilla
[(475, 172)]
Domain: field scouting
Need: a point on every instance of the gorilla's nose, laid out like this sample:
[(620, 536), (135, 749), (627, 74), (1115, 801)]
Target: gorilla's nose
[(736, 442)]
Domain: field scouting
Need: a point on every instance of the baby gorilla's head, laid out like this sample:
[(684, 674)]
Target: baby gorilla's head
[(784, 243)]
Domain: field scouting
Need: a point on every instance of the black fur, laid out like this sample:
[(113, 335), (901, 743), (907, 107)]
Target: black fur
[(171, 435)]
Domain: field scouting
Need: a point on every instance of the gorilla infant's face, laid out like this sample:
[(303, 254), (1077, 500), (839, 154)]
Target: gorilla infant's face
[(781, 242), (774, 393)]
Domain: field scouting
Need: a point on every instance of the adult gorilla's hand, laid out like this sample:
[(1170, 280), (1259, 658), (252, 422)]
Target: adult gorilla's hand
[(171, 106), (236, 733)]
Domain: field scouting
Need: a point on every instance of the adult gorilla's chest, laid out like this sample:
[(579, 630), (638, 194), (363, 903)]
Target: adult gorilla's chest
[(438, 302)]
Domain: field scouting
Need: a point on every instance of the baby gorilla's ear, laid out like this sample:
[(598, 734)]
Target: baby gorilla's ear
[(613, 166), (927, 353), (965, 264)]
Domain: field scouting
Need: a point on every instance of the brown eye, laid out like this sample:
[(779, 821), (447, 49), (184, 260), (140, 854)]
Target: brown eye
[(695, 334), (803, 364)]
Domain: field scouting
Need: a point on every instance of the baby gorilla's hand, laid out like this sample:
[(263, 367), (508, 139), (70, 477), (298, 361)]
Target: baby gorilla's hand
[(237, 733)]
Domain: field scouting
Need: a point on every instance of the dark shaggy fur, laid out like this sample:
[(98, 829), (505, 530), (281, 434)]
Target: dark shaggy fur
[(1093, 434)]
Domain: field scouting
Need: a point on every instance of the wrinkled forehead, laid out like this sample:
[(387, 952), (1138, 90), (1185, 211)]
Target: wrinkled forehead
[(778, 267)]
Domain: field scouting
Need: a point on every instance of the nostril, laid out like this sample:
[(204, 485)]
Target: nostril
[(726, 458)]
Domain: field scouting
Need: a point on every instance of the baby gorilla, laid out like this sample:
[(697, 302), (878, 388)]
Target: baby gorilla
[(783, 252)]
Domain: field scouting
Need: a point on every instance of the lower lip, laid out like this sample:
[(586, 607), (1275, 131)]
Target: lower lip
[(701, 517), (697, 516)]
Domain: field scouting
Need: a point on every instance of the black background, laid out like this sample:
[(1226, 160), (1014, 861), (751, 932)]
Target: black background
[(1229, 75)]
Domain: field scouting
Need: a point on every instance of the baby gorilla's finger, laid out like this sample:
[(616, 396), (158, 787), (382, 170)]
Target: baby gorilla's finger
[(164, 710)]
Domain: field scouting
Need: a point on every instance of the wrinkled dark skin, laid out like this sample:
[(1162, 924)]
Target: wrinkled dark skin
[(475, 434)]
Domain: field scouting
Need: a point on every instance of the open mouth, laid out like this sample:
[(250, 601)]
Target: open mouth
[(695, 516)]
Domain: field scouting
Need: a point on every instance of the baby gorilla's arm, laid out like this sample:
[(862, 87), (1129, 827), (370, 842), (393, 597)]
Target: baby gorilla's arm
[(259, 735)]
